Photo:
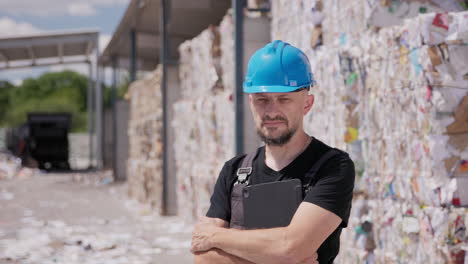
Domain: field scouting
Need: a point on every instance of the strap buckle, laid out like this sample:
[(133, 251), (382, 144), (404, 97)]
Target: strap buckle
[(243, 173), (246, 170)]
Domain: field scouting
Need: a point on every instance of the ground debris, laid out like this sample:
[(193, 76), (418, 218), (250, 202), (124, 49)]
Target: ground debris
[(57, 219)]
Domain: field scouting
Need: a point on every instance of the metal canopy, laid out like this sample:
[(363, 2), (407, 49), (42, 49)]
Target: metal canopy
[(47, 49), (187, 18)]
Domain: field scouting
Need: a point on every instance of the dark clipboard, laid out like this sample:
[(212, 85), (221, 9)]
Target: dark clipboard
[(273, 204)]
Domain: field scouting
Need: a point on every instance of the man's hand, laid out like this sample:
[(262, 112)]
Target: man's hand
[(202, 233), (215, 255)]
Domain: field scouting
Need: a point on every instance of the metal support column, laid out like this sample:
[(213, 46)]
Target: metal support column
[(238, 7), (90, 106), (164, 52), (133, 55), (114, 117), (98, 99)]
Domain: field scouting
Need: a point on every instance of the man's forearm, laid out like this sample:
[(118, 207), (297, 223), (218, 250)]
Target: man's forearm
[(296, 243), (258, 246), (219, 257)]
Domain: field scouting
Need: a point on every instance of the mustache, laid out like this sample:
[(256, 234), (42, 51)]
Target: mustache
[(276, 118)]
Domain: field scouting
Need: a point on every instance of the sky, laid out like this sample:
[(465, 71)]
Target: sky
[(23, 17)]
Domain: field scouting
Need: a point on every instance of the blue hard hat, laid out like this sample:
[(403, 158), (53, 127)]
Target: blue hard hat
[(278, 67)]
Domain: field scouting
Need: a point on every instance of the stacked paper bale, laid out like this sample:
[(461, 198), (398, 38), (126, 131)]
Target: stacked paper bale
[(345, 21), (300, 22), (199, 64), (203, 119), (145, 145), (311, 23), (409, 154), (396, 100), (226, 31)]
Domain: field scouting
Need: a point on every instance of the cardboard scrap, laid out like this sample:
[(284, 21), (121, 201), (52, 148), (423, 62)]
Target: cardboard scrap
[(460, 125)]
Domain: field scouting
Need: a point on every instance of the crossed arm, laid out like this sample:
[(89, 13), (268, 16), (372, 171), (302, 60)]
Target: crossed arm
[(213, 242), (215, 255)]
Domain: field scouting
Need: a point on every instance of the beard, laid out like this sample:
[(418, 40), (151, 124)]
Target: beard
[(279, 140)]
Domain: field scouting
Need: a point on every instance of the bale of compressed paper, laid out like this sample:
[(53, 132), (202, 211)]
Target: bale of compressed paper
[(201, 148), (199, 67), (145, 146), (226, 32), (202, 122), (403, 129), (395, 99), (311, 23)]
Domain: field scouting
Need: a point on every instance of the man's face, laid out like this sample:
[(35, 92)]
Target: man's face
[(279, 115)]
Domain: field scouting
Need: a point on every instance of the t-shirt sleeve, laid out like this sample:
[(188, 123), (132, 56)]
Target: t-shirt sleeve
[(220, 206), (334, 188)]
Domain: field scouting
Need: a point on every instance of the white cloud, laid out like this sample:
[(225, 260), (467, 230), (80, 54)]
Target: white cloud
[(56, 7), (10, 27), (81, 9)]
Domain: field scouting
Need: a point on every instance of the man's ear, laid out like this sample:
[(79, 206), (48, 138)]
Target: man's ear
[(308, 103), (251, 101)]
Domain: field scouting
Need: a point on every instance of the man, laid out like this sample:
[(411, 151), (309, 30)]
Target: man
[(277, 81)]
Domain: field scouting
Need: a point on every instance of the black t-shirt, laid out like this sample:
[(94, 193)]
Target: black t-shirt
[(333, 191)]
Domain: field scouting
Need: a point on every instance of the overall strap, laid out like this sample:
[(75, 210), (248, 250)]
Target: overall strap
[(245, 169), (237, 204), (309, 178)]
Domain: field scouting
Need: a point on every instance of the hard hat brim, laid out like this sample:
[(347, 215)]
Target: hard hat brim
[(271, 89)]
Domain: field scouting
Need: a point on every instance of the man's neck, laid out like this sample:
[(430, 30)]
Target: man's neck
[(278, 157)]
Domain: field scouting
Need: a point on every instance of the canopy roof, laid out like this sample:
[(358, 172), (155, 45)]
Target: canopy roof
[(47, 49), (187, 18)]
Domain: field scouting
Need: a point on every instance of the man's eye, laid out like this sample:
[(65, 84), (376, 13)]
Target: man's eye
[(284, 100), (262, 100)]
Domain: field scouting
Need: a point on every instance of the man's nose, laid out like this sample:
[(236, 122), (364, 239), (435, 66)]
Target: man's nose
[(271, 107)]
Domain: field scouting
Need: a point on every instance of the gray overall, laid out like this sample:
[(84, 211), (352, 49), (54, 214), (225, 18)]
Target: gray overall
[(243, 173)]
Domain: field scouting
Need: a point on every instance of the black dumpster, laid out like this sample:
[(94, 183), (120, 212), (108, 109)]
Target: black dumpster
[(48, 139)]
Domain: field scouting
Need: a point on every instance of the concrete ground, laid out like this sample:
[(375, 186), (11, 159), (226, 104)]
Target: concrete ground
[(82, 218)]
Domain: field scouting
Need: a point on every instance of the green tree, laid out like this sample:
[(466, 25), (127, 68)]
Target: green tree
[(122, 89), (51, 92)]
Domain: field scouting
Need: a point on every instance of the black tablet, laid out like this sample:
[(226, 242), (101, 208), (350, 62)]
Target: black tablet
[(273, 204)]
